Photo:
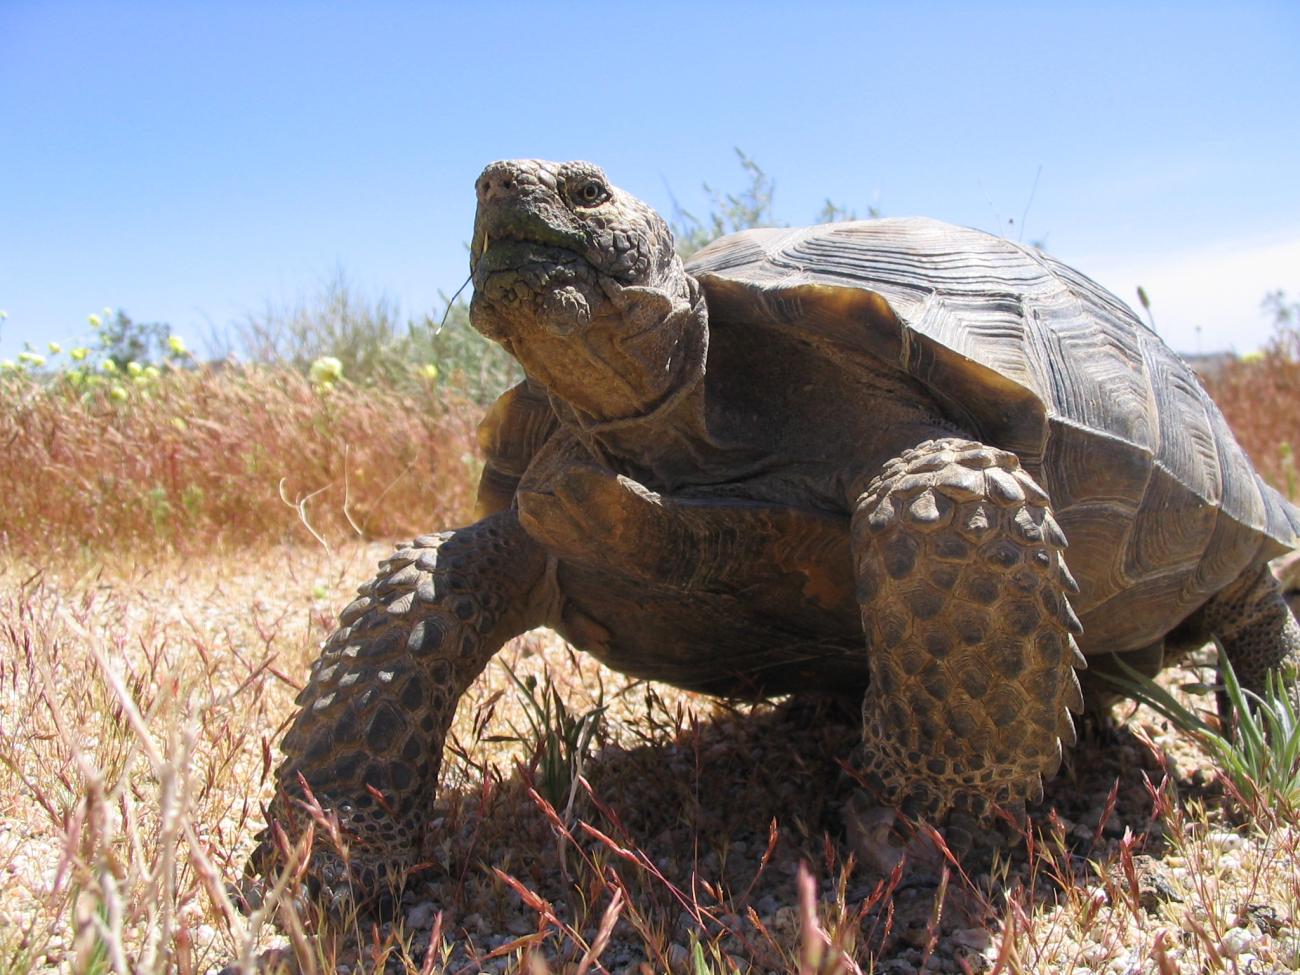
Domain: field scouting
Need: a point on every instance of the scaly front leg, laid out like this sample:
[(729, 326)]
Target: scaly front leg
[(964, 596), (375, 712)]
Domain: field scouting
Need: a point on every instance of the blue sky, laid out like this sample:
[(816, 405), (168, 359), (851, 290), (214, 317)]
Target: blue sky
[(191, 162)]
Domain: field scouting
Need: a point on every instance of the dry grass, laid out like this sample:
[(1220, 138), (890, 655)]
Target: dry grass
[(1260, 398), (219, 457)]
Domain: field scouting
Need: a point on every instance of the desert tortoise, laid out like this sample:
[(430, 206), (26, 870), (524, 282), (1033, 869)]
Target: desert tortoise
[(845, 458)]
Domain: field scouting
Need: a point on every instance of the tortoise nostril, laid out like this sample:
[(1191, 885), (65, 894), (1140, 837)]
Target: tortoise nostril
[(504, 180), (496, 187)]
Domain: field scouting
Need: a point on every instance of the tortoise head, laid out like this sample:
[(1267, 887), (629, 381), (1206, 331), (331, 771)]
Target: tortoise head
[(579, 281)]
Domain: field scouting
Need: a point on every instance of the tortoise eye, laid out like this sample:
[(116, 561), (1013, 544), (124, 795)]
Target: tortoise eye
[(590, 193)]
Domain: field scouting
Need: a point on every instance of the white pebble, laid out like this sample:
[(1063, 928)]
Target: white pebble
[(1235, 941), (1095, 954)]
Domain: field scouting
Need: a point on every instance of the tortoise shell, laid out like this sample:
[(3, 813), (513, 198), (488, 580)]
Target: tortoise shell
[(1160, 505)]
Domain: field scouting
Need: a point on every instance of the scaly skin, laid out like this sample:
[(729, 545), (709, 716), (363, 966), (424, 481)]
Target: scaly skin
[(970, 634), (373, 717), (1253, 622)]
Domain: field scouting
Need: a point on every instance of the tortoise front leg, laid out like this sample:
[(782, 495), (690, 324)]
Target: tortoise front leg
[(586, 514), (964, 602), (369, 734)]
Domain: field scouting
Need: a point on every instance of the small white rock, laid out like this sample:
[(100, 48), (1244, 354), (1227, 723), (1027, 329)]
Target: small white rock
[(1095, 954), (1235, 941)]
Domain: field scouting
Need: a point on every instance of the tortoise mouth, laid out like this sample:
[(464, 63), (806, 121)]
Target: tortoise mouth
[(506, 225), (522, 255), (512, 271), (521, 284), (517, 258)]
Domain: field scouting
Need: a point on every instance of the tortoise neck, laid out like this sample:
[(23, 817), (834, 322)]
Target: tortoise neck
[(660, 442)]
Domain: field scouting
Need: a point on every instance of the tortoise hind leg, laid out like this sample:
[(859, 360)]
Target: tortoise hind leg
[(969, 630), (1100, 690), (368, 736), (1253, 623)]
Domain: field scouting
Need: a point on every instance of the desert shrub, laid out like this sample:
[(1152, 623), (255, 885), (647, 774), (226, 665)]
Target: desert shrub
[(750, 206), (375, 346), (466, 361), (122, 340), (728, 212)]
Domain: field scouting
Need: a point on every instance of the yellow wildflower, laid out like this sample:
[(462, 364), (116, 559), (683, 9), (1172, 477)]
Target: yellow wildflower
[(326, 371)]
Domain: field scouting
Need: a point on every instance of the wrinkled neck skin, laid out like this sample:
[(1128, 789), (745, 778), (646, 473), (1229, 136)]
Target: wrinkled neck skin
[(665, 439), (632, 386)]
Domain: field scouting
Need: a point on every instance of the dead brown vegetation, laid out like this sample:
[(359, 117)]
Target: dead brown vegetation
[(1259, 395), (221, 457)]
